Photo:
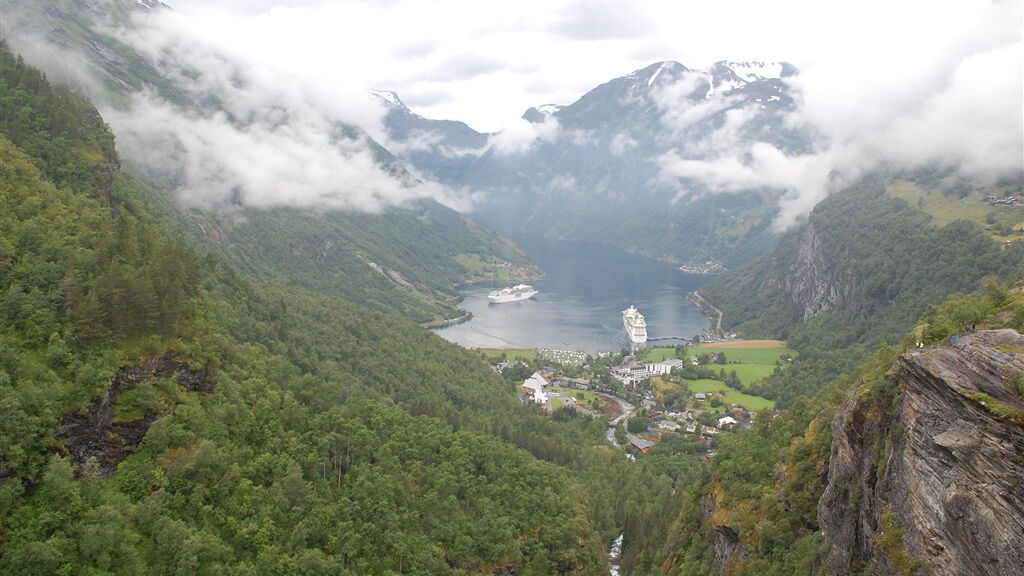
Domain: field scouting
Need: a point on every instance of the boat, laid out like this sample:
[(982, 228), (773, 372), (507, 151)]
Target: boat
[(635, 325), (517, 293)]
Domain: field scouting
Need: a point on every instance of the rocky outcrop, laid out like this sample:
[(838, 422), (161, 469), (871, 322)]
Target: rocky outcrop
[(96, 434), (725, 540), (814, 282), (931, 480)]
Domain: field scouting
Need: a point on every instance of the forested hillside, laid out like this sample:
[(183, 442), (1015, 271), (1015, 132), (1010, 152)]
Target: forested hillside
[(845, 290), (758, 507), (855, 276), (404, 258), (163, 413)]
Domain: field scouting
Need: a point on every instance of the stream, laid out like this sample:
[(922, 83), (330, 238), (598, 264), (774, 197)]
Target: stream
[(614, 554)]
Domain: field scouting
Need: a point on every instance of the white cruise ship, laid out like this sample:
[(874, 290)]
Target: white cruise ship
[(517, 293), (635, 325)]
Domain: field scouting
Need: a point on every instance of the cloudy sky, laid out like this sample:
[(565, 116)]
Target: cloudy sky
[(906, 83), (486, 62)]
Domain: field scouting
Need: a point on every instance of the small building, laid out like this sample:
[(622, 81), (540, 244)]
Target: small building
[(533, 387), (700, 396), (641, 445), (726, 421), (668, 425), (580, 383)]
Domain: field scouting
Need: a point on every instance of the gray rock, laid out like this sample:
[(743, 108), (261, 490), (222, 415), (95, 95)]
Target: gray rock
[(948, 470)]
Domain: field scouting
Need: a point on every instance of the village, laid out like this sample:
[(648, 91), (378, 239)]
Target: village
[(671, 399)]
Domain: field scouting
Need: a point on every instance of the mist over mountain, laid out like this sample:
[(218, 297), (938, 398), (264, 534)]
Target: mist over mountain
[(684, 164), (622, 165), (276, 172)]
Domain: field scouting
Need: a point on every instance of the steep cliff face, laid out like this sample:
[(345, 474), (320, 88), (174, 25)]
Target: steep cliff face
[(933, 481), (813, 281)]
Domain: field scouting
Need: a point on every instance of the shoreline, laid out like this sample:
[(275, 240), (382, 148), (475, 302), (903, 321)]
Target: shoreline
[(703, 304), (448, 321)]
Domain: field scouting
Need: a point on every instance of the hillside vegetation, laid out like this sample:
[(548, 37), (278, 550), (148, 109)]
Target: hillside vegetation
[(163, 413), (755, 509), (406, 260), (857, 275)]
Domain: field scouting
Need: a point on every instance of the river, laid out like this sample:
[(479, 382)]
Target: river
[(582, 295)]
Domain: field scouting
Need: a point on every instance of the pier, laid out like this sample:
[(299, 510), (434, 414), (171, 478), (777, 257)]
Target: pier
[(663, 338)]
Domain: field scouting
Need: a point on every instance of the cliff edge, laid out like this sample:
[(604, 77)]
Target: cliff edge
[(930, 480)]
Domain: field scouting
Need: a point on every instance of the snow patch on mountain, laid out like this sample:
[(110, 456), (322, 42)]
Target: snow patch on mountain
[(389, 97), (754, 71)]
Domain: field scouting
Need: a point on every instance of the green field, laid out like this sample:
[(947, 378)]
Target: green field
[(758, 355), (658, 354), (731, 396), (747, 373), (944, 208), (582, 396), (527, 354), (752, 360)]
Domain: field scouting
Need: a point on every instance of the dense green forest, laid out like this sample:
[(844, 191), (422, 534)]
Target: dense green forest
[(163, 413), (888, 261)]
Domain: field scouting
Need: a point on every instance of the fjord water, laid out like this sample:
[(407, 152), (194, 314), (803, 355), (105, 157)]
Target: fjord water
[(582, 295)]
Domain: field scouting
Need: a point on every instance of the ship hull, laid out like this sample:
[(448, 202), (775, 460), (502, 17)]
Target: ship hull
[(515, 294), (512, 298)]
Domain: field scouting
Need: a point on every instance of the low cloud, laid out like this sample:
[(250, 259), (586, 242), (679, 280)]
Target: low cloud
[(214, 161), (278, 137), (963, 111), (521, 135), (602, 20), (465, 67), (621, 143)]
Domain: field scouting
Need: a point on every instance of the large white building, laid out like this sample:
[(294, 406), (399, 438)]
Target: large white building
[(664, 367), (535, 385), (633, 373)]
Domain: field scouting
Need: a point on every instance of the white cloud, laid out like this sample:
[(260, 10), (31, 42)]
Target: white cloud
[(260, 165), (280, 137), (620, 143), (909, 82), (519, 136)]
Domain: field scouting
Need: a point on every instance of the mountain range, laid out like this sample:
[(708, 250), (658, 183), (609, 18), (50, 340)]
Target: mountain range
[(598, 169)]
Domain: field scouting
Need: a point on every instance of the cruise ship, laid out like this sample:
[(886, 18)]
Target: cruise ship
[(517, 293), (635, 325)]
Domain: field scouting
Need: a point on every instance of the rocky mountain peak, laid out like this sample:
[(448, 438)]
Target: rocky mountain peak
[(541, 113), (391, 100)]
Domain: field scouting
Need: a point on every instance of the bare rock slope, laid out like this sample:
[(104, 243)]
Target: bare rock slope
[(931, 481)]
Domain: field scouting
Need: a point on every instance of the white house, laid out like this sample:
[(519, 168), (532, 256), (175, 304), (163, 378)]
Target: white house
[(540, 398), (726, 421), (534, 383)]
